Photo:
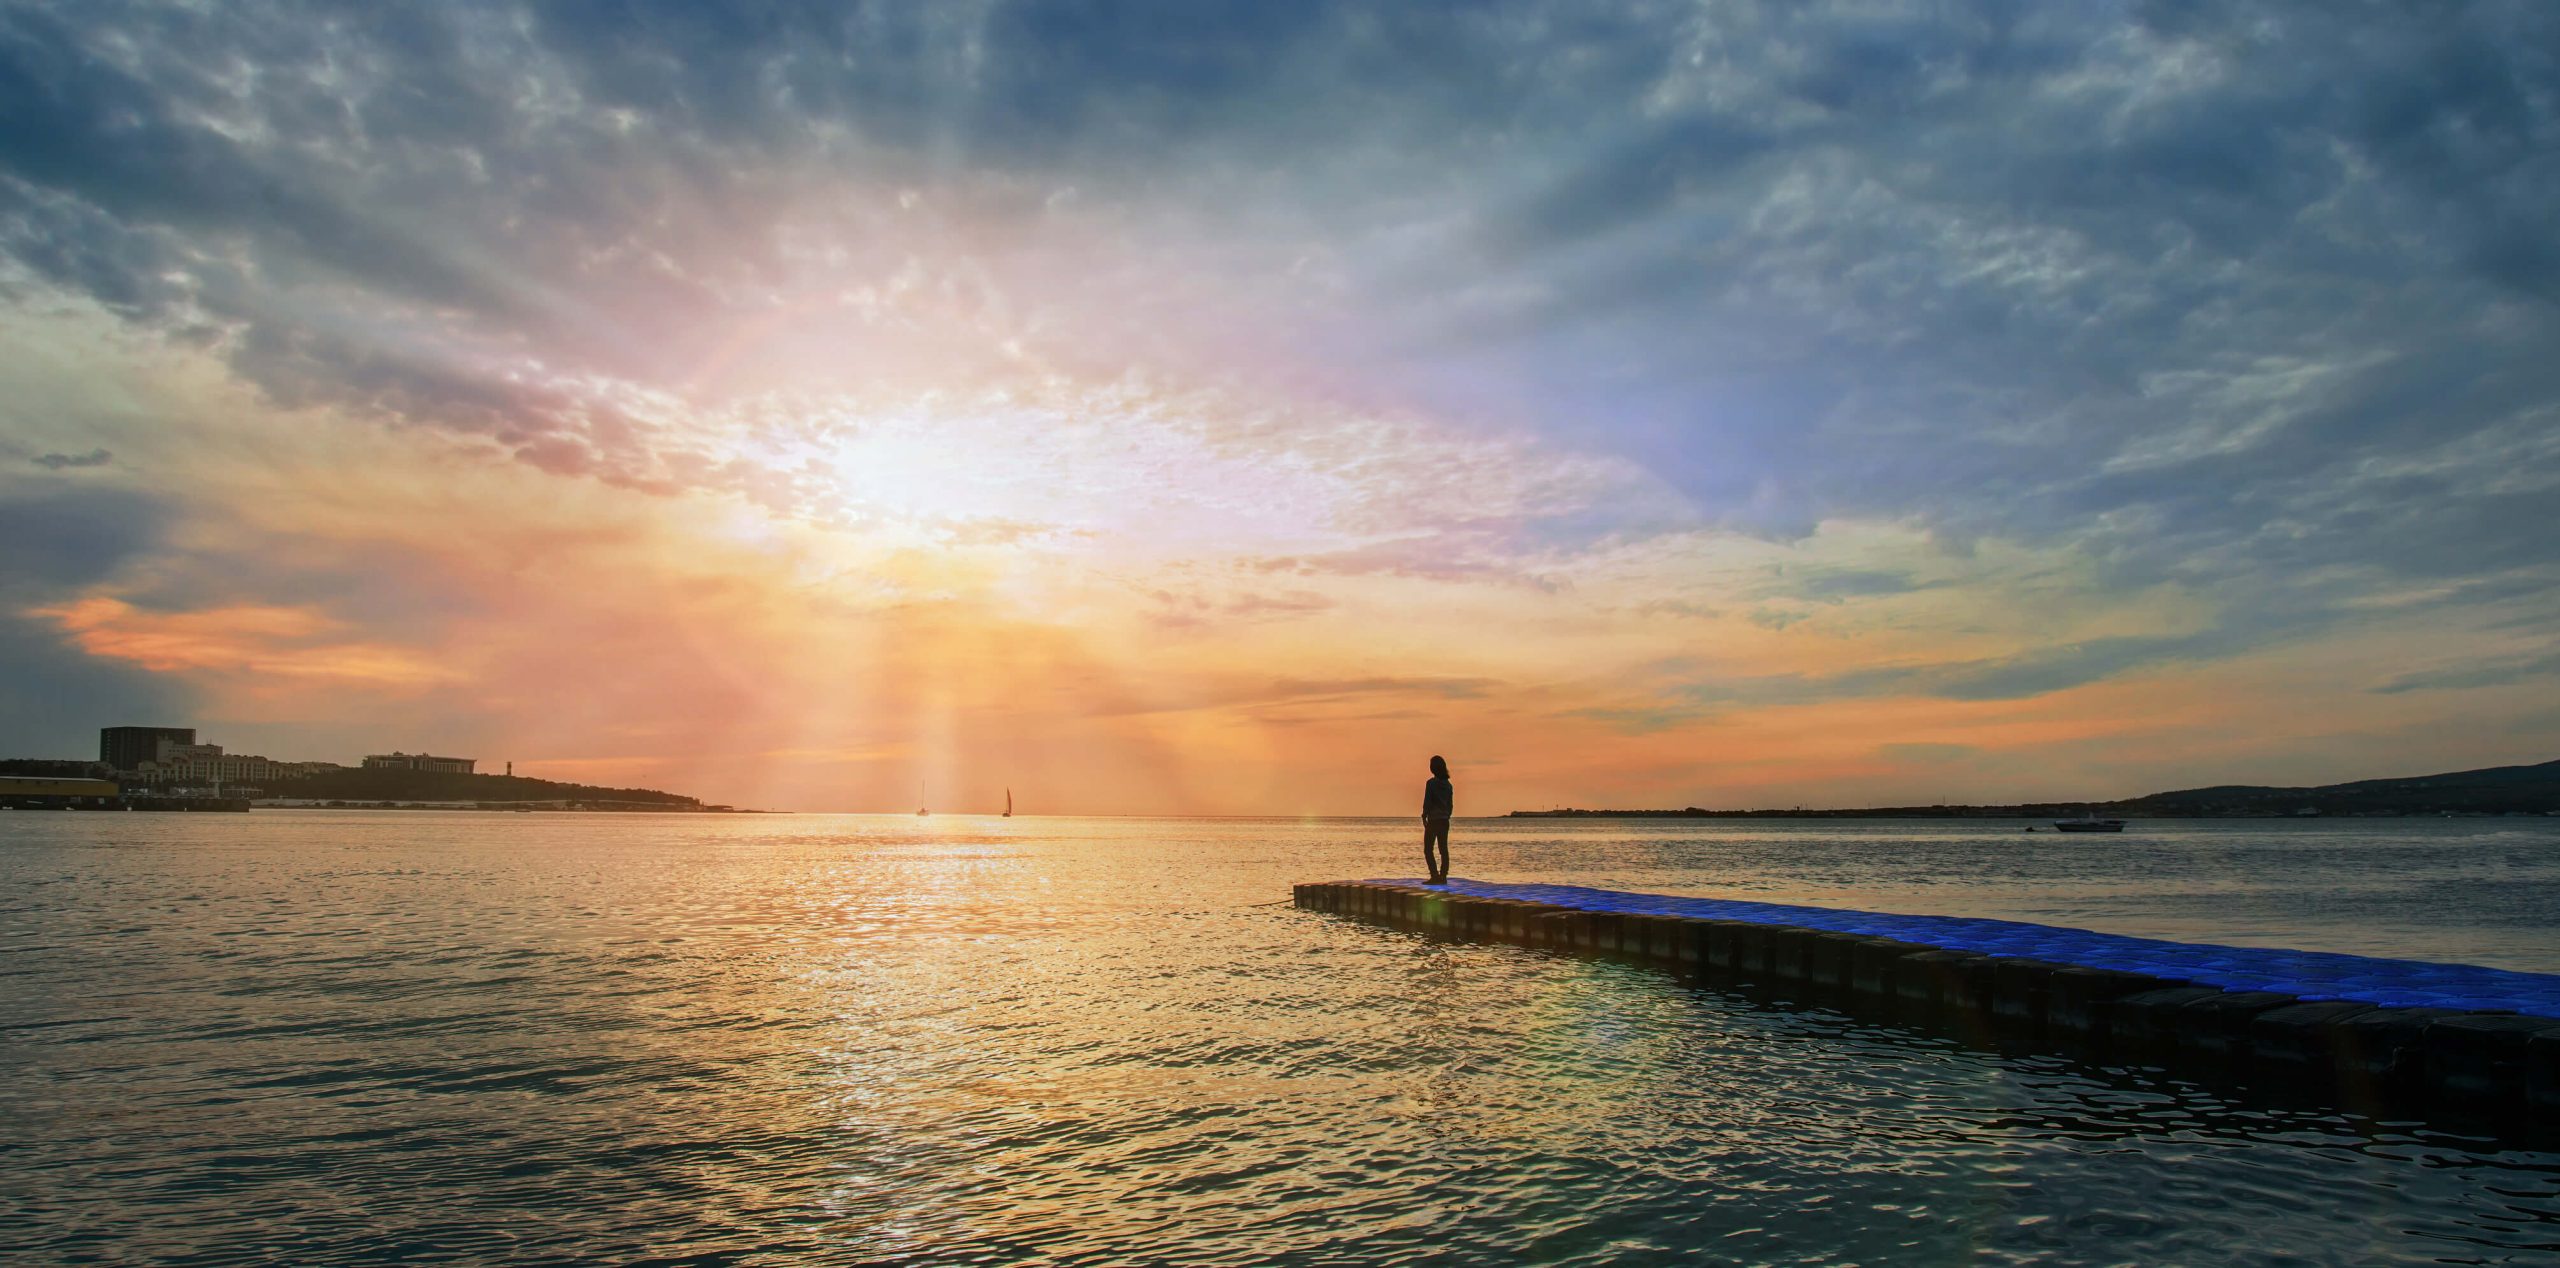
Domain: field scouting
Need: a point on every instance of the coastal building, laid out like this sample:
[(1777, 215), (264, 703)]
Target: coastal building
[(126, 748), (195, 764), (420, 761), (38, 792), (166, 755)]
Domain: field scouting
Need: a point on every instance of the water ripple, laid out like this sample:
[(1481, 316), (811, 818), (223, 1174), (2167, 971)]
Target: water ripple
[(351, 1037)]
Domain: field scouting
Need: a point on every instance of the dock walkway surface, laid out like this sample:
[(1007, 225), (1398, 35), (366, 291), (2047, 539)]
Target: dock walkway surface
[(2305, 975), (2383, 1038)]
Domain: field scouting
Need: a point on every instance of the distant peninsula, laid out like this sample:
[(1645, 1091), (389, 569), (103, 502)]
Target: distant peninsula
[(366, 786), (166, 768), (2498, 790), (372, 787)]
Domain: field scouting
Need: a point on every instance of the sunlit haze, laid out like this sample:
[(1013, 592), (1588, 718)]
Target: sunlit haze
[(1221, 409)]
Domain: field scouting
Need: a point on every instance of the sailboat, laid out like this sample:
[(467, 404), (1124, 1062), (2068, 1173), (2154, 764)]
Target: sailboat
[(921, 811), (1008, 803)]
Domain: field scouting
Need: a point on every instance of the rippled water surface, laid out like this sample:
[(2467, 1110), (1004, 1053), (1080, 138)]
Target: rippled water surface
[(321, 1037)]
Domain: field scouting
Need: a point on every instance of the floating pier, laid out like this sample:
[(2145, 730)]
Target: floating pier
[(2384, 1038)]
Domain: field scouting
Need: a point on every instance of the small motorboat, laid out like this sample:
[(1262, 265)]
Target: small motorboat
[(2088, 823)]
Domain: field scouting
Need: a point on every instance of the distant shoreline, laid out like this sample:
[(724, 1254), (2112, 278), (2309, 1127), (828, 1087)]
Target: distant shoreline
[(2020, 812), (630, 807), (2500, 791)]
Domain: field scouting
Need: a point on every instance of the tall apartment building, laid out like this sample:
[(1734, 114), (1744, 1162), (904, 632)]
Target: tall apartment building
[(127, 747)]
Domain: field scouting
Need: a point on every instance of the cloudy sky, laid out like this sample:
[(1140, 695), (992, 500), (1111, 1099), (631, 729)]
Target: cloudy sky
[(1196, 407)]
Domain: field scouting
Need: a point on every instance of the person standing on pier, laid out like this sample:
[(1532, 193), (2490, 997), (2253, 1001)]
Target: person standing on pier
[(1438, 799)]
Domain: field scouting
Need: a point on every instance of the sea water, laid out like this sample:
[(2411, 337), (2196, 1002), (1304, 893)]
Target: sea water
[(343, 1036)]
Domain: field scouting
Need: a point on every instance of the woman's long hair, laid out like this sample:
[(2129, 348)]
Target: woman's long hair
[(1439, 766)]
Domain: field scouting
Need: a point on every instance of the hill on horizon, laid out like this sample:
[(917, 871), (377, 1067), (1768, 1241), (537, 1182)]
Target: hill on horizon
[(364, 784), (2489, 790), (2533, 789)]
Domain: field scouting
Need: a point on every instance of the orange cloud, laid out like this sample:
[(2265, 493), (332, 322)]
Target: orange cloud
[(1132, 602), (242, 639)]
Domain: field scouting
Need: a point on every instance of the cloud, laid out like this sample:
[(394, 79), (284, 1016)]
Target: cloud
[(1955, 265), (55, 696), (2071, 665), (62, 536), (2246, 304), (1681, 693), (248, 641), (1856, 583), (59, 461), (1279, 606), (2462, 677), (1931, 754), (1443, 687)]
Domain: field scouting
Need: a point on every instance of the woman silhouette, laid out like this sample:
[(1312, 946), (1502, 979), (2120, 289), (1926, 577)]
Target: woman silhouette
[(1438, 799)]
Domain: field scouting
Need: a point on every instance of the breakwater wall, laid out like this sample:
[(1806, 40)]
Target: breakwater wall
[(2418, 1043), (145, 801)]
